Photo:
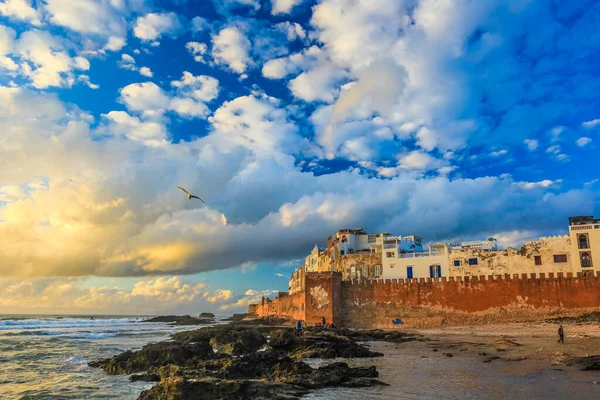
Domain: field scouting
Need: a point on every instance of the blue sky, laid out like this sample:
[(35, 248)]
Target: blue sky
[(293, 119)]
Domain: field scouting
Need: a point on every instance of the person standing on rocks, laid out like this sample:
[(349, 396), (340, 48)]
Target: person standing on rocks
[(324, 322), (561, 335), (299, 328)]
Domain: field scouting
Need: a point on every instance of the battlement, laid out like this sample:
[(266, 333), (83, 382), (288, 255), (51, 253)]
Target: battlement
[(357, 302), (480, 278)]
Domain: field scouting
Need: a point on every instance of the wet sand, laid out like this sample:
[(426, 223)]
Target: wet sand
[(503, 362)]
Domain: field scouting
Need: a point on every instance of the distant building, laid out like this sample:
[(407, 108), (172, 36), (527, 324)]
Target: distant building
[(357, 254), (585, 242), (490, 245)]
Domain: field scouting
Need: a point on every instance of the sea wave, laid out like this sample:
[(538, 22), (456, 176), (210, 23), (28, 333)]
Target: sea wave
[(13, 324)]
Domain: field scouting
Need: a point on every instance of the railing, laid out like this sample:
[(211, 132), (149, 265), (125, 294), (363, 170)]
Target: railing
[(581, 227), (416, 255)]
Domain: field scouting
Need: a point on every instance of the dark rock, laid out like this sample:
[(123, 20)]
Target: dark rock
[(237, 317), (327, 344), (179, 320), (206, 315), (179, 389), (232, 362), (237, 342), (145, 378), (589, 363), (448, 354), (591, 317), (152, 356), (372, 335), (271, 321), (435, 350), (490, 359), (283, 338)]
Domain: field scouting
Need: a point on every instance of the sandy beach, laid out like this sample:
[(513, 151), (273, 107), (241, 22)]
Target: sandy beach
[(518, 361)]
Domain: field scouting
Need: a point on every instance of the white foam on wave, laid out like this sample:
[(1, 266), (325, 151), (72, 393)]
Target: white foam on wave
[(22, 324)]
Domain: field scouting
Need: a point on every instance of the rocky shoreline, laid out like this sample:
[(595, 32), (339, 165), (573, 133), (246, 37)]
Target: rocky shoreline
[(249, 359)]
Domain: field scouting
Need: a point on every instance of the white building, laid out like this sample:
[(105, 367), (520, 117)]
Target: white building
[(490, 245), (432, 263)]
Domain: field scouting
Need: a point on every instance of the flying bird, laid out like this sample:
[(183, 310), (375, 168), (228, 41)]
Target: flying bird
[(191, 196)]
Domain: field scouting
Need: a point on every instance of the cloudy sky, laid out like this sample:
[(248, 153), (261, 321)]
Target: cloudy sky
[(450, 119)]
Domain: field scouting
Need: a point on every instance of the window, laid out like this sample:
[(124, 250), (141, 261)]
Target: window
[(389, 254), (586, 260), (352, 272), (560, 258), (365, 271), (377, 271), (473, 261), (583, 242), (341, 252), (490, 263), (456, 263), (538, 260), (392, 265), (435, 271)]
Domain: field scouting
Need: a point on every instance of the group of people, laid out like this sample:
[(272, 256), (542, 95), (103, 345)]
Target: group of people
[(322, 324)]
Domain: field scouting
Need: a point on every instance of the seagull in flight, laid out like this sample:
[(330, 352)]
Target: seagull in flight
[(191, 196)]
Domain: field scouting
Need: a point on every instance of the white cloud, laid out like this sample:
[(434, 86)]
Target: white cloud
[(293, 30), (531, 144), (46, 61), (197, 50), (258, 123), (163, 295), (125, 217), (417, 160), (546, 183), (154, 25), (230, 48), (251, 297), (319, 83), (100, 17), (20, 9), (145, 71), (199, 24), (145, 96), (148, 132), (591, 124), (150, 100), (556, 131), (583, 141), (284, 6), (128, 62), (553, 149), (218, 296), (115, 43), (188, 107), (279, 68), (499, 153), (202, 87)]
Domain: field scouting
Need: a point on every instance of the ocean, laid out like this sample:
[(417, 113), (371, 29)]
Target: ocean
[(46, 357)]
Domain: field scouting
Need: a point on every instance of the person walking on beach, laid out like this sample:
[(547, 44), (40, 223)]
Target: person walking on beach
[(299, 328), (561, 335)]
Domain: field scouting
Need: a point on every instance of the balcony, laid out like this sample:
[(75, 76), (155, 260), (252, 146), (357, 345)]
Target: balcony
[(581, 227), (418, 254)]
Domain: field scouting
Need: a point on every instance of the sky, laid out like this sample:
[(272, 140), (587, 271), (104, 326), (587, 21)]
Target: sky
[(292, 119)]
